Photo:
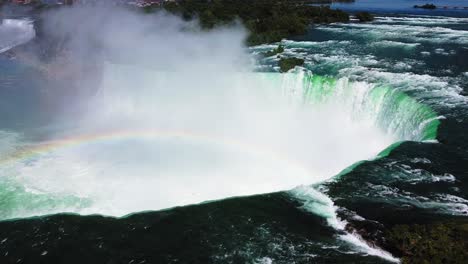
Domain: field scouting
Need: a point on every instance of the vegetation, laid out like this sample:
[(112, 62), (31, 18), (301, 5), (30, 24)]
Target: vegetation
[(364, 16), (287, 64), (430, 243), (278, 50), (426, 6), (267, 20)]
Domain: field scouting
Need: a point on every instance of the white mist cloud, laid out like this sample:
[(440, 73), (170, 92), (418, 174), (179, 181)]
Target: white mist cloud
[(161, 41)]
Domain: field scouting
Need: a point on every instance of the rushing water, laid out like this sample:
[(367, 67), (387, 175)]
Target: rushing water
[(372, 129), (411, 55)]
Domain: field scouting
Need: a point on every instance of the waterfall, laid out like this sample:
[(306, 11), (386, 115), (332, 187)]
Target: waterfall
[(151, 140)]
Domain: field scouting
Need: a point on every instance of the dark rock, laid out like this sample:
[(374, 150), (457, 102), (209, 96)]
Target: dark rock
[(287, 64), (364, 16), (426, 6), (278, 50)]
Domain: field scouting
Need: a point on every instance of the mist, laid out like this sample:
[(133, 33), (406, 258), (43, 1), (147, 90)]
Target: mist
[(172, 115)]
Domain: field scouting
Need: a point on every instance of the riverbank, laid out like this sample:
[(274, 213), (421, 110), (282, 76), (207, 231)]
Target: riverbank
[(267, 21)]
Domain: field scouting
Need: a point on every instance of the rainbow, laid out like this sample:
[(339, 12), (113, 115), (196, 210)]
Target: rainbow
[(32, 151)]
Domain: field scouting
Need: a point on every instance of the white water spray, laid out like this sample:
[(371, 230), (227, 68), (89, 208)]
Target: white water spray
[(14, 32), (178, 145)]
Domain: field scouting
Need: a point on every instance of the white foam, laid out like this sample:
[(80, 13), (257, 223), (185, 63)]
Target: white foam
[(421, 160), (319, 204), (419, 175), (440, 51), (307, 44), (264, 260), (395, 32), (397, 44), (448, 204), (360, 244), (435, 88), (432, 20), (447, 177), (439, 203)]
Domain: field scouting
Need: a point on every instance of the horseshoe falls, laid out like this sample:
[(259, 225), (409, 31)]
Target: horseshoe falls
[(272, 132)]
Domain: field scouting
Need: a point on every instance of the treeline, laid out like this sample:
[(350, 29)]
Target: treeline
[(267, 20), (426, 6)]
